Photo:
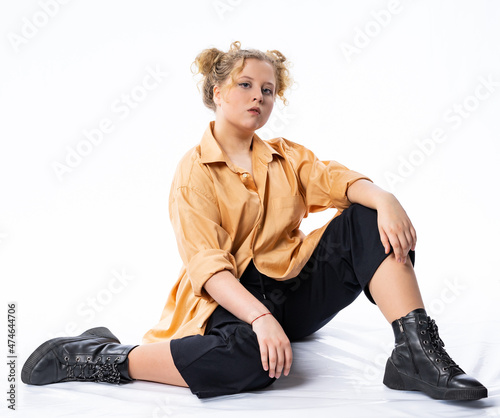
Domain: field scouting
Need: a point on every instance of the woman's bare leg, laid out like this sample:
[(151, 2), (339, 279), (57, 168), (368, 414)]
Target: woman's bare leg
[(154, 362), (395, 289), (415, 361)]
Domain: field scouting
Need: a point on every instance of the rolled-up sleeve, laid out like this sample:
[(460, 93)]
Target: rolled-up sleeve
[(204, 246), (324, 183)]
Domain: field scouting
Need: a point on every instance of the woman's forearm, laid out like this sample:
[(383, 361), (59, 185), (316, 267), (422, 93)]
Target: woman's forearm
[(368, 194), (275, 349), (228, 292)]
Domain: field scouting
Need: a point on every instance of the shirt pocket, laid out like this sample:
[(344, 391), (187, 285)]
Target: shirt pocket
[(288, 211), (286, 202)]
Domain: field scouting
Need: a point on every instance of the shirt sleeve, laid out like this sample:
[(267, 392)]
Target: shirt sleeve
[(203, 244), (324, 184)]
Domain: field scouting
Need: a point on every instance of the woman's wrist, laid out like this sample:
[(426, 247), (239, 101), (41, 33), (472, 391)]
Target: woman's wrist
[(259, 316), (384, 198), (257, 312)]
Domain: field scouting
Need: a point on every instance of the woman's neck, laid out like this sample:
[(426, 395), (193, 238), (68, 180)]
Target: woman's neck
[(233, 141)]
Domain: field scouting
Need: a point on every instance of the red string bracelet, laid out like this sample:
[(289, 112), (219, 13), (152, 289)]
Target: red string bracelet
[(260, 316)]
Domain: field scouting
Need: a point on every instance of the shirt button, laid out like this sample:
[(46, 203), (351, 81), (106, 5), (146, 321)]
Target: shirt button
[(245, 175)]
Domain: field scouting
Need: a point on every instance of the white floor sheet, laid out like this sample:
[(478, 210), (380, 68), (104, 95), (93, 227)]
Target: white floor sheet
[(337, 372)]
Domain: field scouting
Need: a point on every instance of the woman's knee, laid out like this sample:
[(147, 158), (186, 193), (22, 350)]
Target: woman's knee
[(223, 363), (362, 215), (357, 209), (239, 368)]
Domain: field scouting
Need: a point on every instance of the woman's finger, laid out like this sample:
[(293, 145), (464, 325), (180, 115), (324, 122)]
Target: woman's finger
[(405, 243), (410, 240), (264, 357), (385, 241), (288, 359), (396, 246), (280, 362), (272, 362), (414, 235)]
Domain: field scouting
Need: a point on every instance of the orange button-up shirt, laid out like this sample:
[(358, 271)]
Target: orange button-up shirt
[(223, 217)]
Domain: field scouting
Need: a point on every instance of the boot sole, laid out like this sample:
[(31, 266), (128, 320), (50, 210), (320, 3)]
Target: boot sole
[(395, 380), (47, 346)]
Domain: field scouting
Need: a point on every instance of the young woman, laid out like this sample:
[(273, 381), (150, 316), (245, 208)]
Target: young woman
[(252, 282)]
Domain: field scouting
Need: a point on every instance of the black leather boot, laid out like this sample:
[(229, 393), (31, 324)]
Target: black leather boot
[(420, 362), (94, 356)]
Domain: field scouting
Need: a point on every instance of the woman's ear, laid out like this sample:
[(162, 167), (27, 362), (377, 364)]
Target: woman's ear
[(216, 95)]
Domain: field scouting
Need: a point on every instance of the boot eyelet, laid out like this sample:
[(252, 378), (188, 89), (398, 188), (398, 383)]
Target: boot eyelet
[(423, 332), (88, 358), (438, 360), (66, 358), (426, 342), (108, 358), (445, 369), (78, 359), (431, 351)]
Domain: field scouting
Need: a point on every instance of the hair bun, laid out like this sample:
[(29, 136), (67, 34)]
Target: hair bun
[(235, 46), (278, 56), (206, 60)]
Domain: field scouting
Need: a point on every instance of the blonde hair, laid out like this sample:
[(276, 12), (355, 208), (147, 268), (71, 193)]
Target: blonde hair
[(216, 66)]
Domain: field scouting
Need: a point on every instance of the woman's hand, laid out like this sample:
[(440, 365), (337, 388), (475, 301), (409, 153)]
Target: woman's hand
[(393, 223), (395, 228), (275, 348)]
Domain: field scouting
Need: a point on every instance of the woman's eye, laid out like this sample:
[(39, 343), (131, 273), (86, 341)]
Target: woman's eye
[(266, 91)]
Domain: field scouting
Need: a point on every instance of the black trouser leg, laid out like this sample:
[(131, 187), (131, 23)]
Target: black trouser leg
[(227, 358)]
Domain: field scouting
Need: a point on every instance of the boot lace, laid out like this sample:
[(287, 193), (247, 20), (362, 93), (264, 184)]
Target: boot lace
[(98, 371), (438, 345)]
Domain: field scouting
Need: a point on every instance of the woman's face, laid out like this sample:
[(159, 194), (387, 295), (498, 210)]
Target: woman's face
[(255, 87)]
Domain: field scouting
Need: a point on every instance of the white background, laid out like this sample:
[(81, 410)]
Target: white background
[(372, 79)]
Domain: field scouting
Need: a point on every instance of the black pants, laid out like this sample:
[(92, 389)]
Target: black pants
[(226, 359)]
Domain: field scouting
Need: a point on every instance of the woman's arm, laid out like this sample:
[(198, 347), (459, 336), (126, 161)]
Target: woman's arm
[(395, 227), (228, 292), (275, 348)]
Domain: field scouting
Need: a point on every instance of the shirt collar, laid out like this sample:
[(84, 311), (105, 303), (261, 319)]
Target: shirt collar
[(212, 152)]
